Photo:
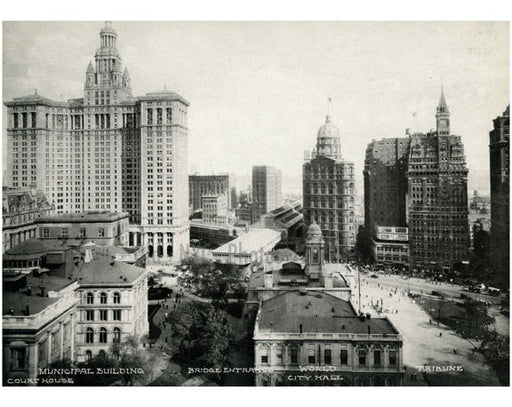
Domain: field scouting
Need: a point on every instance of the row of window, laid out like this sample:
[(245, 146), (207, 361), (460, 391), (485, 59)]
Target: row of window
[(103, 297), (362, 357), (102, 335)]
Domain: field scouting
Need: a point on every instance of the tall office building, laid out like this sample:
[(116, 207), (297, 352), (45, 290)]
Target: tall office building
[(208, 185), (418, 186), (266, 190), (108, 151), (329, 192), (385, 191), (500, 224)]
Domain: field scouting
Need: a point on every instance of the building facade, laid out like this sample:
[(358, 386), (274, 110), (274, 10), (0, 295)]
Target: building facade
[(328, 186), (113, 305), (418, 183), (20, 209), (499, 148), (108, 151), (38, 322), (66, 301), (319, 340), (215, 209), (106, 229), (266, 190), (203, 185)]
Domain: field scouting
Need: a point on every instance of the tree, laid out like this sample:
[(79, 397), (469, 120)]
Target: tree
[(204, 335), (129, 355), (213, 281)]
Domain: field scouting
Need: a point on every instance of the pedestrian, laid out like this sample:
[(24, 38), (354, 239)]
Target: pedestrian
[(430, 321), (440, 333)]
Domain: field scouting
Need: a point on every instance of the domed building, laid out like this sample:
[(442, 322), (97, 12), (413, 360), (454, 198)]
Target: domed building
[(328, 193)]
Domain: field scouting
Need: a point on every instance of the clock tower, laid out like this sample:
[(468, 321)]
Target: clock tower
[(442, 117), (315, 251)]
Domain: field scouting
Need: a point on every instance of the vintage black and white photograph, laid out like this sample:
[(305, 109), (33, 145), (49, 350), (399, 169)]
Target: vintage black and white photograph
[(255, 203)]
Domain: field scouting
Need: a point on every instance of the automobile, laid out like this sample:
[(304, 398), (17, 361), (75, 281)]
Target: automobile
[(374, 276)]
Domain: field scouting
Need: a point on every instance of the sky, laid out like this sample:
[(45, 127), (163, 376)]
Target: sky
[(259, 90)]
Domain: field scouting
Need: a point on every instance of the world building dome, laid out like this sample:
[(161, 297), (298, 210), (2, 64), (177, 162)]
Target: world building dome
[(328, 140)]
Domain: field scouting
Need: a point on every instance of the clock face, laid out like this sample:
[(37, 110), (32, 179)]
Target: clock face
[(315, 251)]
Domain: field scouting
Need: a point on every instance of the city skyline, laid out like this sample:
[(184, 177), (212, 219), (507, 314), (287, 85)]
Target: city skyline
[(254, 84)]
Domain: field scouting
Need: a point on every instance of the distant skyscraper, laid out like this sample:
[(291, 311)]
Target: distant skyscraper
[(419, 182), (329, 191), (266, 190), (203, 185), (108, 151), (499, 147)]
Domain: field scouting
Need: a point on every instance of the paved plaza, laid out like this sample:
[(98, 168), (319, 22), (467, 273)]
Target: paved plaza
[(425, 342)]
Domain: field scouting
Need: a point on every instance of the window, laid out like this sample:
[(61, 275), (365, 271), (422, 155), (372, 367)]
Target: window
[(88, 355), (279, 356), (116, 315), (103, 335), (169, 115), (362, 357), (18, 356), (45, 233), (90, 298), (103, 298), (89, 315), (392, 357), (103, 315), (150, 116), (376, 357), (82, 233), (64, 233), (344, 357), (117, 298), (327, 356), (264, 356), (89, 335), (101, 232), (311, 356), (117, 335), (294, 356)]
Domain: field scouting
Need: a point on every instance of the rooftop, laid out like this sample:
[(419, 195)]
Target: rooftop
[(103, 270), (84, 217), (251, 242), (18, 300), (33, 247), (323, 313)]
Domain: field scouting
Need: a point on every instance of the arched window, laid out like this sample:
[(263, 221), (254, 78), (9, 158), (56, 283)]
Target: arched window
[(90, 298), (103, 298), (150, 251), (117, 298), (117, 335), (160, 251), (103, 335), (89, 335), (88, 355), (169, 251), (102, 354)]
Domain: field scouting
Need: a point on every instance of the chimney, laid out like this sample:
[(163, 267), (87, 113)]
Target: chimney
[(88, 255), (269, 280), (43, 290), (407, 132), (300, 328), (29, 290)]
